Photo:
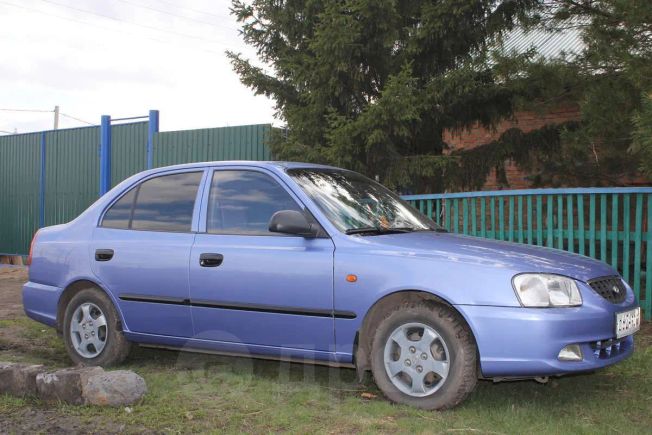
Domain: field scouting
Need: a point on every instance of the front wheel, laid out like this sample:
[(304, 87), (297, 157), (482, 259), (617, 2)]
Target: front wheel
[(424, 355), (91, 330)]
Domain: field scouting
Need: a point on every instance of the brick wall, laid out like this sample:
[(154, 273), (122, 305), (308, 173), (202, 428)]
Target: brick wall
[(526, 121)]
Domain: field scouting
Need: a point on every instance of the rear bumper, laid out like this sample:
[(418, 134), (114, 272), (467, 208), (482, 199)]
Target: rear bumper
[(40, 302), (515, 341)]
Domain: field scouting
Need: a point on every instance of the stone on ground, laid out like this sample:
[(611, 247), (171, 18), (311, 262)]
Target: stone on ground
[(116, 388), (19, 379), (75, 385), (65, 385)]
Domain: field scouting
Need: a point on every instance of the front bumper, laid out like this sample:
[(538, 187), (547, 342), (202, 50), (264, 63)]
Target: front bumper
[(525, 342)]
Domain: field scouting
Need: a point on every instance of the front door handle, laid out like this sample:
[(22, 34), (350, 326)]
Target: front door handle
[(210, 260), (103, 254)]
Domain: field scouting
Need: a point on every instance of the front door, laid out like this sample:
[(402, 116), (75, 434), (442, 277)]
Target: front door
[(250, 286), (141, 249)]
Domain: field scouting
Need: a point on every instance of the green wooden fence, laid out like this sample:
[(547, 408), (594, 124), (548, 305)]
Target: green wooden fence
[(613, 225)]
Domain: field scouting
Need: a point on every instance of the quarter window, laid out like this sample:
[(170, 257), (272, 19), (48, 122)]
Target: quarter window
[(243, 202), (163, 203), (119, 215)]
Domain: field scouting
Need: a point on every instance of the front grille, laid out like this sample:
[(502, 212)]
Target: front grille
[(611, 288)]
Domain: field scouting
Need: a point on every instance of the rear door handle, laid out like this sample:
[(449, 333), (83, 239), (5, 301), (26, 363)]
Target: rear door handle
[(103, 254), (209, 259)]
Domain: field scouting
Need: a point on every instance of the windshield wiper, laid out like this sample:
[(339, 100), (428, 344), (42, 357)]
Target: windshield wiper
[(378, 230), (402, 229), (363, 230)]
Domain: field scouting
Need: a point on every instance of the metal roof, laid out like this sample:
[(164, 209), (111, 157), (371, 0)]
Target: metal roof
[(565, 42)]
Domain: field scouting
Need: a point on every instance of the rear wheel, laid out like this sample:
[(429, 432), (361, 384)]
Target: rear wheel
[(91, 330), (424, 355)]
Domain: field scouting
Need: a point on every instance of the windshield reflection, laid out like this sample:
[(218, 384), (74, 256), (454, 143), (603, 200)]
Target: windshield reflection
[(356, 204)]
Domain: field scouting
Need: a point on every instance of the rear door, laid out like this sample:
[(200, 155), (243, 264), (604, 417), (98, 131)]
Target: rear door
[(141, 248), (263, 288)]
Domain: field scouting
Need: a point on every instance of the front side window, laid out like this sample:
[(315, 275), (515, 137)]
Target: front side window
[(243, 202), (358, 205), (163, 203)]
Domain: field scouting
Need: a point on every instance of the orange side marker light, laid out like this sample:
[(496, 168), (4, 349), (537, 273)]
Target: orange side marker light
[(351, 278)]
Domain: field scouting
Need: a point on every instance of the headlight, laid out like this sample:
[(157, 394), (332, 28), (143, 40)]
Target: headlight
[(546, 290)]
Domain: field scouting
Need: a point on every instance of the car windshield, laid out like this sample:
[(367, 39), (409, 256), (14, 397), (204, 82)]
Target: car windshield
[(358, 205)]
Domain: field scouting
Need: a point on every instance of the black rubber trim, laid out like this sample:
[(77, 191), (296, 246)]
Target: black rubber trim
[(154, 299), (275, 309)]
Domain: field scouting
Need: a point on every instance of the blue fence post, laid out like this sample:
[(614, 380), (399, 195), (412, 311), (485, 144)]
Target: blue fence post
[(105, 154), (41, 187), (152, 129)]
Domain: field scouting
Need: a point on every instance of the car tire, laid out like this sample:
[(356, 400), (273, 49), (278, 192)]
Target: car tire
[(424, 355), (91, 330)]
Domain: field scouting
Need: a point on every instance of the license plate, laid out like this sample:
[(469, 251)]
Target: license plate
[(628, 322)]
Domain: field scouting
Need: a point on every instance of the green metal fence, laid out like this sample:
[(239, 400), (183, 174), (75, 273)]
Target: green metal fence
[(48, 178), (613, 225), (20, 163), (246, 142)]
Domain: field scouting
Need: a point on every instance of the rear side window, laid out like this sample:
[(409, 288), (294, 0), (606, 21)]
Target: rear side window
[(119, 215), (163, 203), (243, 202)]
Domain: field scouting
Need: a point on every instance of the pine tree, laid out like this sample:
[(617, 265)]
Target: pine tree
[(613, 86), (371, 85)]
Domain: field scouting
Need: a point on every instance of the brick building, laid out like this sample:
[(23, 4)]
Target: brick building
[(526, 122), (550, 45)]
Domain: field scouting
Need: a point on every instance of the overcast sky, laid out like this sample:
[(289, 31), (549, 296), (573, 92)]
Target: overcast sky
[(143, 54)]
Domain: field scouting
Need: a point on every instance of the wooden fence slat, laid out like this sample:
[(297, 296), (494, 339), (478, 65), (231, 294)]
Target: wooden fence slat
[(560, 222), (614, 231), (539, 220), (592, 226), (473, 217), (492, 204), (626, 237), (519, 219), (483, 217), (501, 217), (465, 217), (456, 216), (529, 220), (580, 223), (603, 228), (510, 237), (569, 224), (648, 262), (638, 235), (550, 222)]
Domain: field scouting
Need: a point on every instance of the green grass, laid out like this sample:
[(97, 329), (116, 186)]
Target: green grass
[(193, 392)]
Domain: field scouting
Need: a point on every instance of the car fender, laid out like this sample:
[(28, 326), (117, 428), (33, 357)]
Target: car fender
[(100, 286)]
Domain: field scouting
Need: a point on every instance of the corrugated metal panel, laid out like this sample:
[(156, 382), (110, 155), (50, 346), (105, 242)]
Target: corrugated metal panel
[(72, 168), (71, 173), (549, 44), (20, 162), (128, 150), (247, 142)]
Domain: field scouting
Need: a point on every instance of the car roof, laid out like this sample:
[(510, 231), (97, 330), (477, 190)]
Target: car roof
[(253, 163)]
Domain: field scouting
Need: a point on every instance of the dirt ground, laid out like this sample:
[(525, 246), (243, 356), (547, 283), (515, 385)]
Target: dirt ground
[(11, 283), (33, 418)]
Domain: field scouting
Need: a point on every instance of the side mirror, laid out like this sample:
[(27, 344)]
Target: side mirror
[(291, 222)]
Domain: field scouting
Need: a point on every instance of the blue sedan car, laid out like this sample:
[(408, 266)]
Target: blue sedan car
[(313, 263)]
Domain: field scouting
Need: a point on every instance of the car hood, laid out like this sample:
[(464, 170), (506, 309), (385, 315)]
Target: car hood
[(517, 257)]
